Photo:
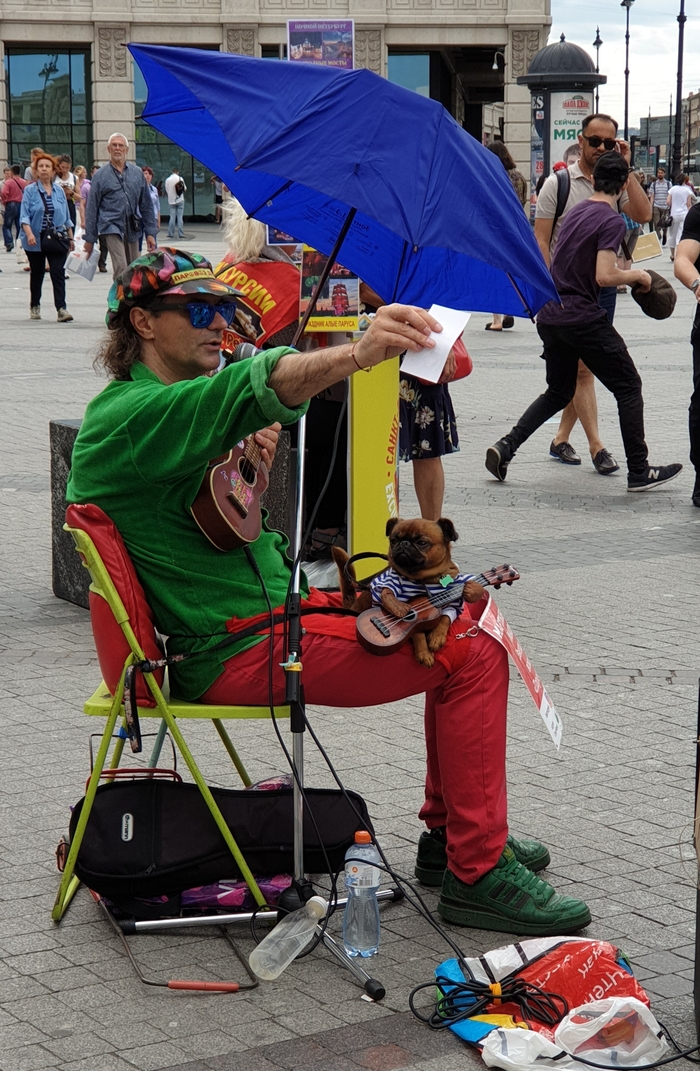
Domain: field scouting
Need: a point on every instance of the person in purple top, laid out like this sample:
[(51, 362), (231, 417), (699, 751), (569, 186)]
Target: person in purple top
[(578, 329)]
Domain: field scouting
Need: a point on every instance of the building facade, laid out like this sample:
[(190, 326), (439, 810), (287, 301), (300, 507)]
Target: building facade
[(70, 82)]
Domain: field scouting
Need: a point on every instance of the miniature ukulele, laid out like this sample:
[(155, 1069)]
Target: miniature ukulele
[(381, 633)]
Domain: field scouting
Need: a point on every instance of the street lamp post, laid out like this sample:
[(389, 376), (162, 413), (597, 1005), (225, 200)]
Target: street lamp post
[(596, 44), (677, 137), (627, 4)]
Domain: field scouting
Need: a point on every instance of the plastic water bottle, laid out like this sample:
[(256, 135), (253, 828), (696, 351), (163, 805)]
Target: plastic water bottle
[(361, 919), (289, 937)]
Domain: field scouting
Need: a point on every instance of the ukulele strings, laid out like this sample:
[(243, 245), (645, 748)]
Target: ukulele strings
[(440, 599)]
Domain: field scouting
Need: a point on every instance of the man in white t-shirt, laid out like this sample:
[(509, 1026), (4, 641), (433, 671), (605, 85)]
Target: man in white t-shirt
[(598, 135), (175, 190)]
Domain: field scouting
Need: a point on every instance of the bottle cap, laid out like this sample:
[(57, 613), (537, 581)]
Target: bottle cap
[(363, 837), (317, 906)]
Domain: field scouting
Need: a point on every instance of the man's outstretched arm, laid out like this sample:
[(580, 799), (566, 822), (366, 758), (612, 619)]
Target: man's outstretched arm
[(395, 328)]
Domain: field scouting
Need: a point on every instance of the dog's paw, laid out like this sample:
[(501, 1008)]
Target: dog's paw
[(425, 658), (436, 640)]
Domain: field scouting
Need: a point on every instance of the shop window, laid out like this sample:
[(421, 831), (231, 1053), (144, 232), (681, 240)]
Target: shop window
[(162, 154), (48, 103)]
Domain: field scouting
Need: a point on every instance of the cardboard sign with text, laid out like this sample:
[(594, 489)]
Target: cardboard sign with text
[(494, 624)]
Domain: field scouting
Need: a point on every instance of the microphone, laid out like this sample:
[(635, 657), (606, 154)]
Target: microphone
[(242, 351)]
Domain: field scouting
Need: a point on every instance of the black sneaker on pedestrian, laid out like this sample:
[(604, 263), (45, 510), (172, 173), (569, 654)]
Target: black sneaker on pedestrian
[(564, 452), (498, 458), (604, 463), (652, 477)]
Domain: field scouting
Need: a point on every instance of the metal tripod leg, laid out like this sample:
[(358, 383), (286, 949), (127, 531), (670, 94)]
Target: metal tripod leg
[(371, 986)]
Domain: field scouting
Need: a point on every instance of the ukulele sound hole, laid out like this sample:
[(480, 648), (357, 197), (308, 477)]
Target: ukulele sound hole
[(247, 471)]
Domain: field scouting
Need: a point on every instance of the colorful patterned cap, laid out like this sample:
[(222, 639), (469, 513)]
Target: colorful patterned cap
[(164, 271)]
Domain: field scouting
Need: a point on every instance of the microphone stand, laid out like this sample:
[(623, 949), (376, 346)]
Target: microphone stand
[(301, 888)]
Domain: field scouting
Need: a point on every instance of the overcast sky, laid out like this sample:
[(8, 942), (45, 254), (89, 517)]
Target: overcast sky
[(653, 50)]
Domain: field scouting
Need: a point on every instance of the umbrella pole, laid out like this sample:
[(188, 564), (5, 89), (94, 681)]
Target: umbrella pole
[(301, 888), (527, 308)]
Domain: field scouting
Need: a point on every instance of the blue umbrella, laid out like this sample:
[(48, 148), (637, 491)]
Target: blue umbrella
[(435, 216)]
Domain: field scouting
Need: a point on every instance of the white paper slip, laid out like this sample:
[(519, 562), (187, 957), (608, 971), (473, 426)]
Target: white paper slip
[(429, 362)]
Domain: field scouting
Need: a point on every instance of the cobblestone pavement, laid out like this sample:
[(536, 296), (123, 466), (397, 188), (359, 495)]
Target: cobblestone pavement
[(606, 608)]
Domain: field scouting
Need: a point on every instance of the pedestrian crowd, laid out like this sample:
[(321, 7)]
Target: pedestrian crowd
[(53, 205), (117, 209)]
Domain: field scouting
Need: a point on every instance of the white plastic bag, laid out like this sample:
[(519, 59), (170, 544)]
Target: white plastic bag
[(20, 253), (78, 263), (620, 1032)]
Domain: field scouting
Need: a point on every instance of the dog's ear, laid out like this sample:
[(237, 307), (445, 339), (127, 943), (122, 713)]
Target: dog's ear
[(391, 525), (448, 530)]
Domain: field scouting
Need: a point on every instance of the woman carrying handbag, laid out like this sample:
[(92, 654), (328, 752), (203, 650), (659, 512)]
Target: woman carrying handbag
[(47, 235)]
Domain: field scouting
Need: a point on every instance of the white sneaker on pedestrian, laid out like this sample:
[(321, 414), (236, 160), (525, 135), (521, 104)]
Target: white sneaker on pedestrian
[(63, 316), (35, 312)]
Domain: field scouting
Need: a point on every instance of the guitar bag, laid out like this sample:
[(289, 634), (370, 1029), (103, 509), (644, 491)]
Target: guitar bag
[(155, 838)]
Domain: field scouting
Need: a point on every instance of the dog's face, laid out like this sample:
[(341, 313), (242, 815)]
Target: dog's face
[(420, 549)]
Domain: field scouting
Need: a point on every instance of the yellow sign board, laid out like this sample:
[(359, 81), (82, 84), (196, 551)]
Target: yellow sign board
[(373, 443)]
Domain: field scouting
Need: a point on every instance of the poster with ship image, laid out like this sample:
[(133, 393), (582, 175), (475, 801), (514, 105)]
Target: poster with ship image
[(338, 305)]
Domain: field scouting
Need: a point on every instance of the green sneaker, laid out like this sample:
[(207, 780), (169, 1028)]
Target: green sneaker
[(511, 898), (431, 861)]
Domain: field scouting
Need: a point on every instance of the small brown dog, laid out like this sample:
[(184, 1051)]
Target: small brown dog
[(420, 563)]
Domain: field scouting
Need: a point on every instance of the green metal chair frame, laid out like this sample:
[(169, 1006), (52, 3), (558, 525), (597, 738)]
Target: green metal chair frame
[(103, 704)]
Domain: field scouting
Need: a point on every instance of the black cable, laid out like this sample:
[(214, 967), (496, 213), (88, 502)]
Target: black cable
[(636, 1067), (464, 1000), (300, 490), (669, 1035)]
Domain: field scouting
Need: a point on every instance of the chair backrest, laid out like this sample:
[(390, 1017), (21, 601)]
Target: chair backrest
[(122, 620)]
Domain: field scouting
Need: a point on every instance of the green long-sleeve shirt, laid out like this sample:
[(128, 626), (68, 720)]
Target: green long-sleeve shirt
[(141, 455)]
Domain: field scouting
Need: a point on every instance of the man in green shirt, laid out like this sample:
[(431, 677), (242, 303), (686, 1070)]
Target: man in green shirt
[(141, 455)]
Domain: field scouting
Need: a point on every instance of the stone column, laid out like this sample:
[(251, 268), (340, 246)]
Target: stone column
[(4, 153), (242, 40), (112, 88), (523, 43), (370, 51)]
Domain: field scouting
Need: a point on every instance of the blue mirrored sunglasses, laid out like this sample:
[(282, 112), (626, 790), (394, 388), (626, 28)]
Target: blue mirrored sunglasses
[(201, 313)]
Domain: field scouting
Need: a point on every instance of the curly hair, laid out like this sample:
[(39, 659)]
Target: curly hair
[(119, 349)]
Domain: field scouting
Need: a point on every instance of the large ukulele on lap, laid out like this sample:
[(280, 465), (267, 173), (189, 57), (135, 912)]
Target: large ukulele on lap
[(227, 506)]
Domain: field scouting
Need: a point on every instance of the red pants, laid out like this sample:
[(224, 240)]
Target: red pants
[(465, 724)]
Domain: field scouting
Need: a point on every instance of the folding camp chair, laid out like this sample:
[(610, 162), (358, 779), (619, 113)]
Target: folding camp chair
[(124, 630)]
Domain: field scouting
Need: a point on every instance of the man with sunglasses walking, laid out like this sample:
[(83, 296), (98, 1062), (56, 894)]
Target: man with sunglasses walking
[(578, 330), (598, 136)]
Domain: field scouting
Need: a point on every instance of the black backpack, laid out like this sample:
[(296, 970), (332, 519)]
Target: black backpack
[(179, 188), (563, 190), (156, 838)]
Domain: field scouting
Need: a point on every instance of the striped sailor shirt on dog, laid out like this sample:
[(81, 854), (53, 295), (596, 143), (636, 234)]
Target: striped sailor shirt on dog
[(405, 590)]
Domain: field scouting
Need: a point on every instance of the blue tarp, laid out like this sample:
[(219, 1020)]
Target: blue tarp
[(437, 217)]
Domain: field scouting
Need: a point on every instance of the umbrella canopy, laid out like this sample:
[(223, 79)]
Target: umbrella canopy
[(437, 218)]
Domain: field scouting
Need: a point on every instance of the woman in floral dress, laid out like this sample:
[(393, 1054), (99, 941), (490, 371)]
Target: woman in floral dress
[(427, 431)]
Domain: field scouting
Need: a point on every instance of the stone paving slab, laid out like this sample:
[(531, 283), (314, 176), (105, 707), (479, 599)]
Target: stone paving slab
[(606, 609)]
